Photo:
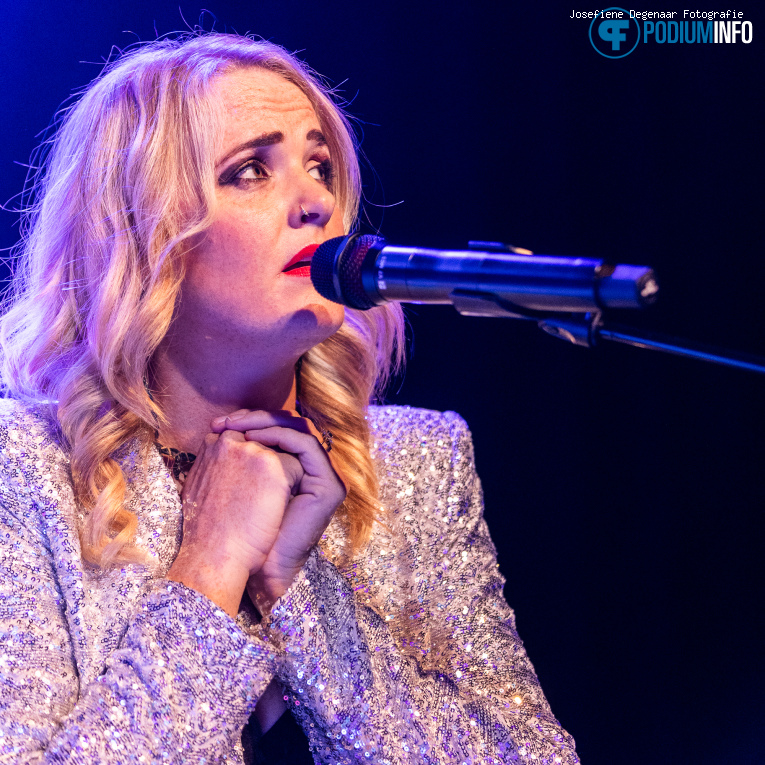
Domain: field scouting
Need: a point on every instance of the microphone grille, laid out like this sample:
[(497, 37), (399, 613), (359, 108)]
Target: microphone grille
[(349, 272), (345, 256), (322, 266)]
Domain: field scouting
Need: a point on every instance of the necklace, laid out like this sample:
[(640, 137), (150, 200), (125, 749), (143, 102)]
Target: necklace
[(178, 463)]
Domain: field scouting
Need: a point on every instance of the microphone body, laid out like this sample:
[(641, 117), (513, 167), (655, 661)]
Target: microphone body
[(364, 271)]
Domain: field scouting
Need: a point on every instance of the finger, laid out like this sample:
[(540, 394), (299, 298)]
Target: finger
[(218, 425), (293, 470), (305, 447), (258, 419), (313, 429), (227, 435)]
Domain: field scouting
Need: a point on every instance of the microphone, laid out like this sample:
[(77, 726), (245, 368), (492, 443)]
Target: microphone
[(363, 271)]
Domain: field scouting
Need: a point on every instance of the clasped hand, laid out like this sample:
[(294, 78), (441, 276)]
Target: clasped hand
[(260, 495)]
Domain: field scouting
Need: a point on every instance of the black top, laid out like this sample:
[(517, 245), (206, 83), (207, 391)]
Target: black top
[(283, 744)]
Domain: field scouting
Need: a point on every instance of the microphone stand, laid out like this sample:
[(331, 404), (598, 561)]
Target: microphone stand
[(589, 329)]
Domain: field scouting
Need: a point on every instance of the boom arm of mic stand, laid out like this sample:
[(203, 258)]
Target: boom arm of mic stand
[(589, 330)]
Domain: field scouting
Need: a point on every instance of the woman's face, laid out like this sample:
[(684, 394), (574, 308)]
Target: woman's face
[(274, 197)]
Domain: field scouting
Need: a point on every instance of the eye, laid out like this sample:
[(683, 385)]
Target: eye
[(251, 171), (323, 172)]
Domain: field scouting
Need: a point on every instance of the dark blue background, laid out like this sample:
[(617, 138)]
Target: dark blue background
[(623, 487)]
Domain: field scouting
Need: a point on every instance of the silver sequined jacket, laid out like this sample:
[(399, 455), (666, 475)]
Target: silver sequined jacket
[(408, 656)]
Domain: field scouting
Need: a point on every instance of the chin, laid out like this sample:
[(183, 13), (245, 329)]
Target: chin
[(314, 323)]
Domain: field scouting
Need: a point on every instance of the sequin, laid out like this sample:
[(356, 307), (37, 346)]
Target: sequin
[(409, 654)]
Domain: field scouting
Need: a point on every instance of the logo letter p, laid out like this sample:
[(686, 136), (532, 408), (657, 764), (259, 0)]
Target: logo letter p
[(611, 31)]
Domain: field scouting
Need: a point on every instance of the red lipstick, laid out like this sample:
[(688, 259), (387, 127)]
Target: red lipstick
[(300, 264)]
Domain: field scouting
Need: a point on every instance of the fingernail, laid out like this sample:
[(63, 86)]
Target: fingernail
[(236, 416), (218, 421)]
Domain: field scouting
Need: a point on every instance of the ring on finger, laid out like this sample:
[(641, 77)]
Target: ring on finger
[(326, 440)]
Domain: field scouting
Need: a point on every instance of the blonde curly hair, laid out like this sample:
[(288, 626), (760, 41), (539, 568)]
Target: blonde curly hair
[(128, 181)]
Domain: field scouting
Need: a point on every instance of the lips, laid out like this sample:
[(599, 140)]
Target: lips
[(300, 264)]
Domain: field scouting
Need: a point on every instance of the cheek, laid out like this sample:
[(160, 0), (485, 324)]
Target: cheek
[(234, 250)]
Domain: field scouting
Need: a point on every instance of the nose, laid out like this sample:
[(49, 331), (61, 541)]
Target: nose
[(313, 204), (307, 217)]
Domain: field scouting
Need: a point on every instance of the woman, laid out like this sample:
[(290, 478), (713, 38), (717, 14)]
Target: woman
[(317, 554)]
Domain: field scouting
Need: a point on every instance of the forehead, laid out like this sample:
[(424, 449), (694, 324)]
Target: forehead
[(255, 100)]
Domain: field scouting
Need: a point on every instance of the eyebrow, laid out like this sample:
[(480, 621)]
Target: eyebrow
[(269, 139)]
